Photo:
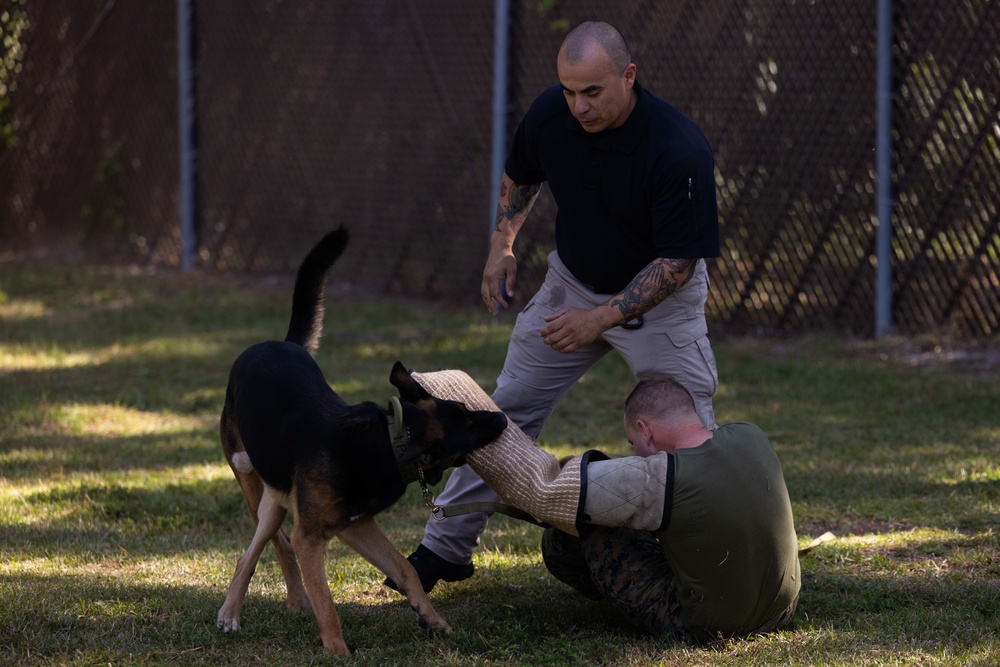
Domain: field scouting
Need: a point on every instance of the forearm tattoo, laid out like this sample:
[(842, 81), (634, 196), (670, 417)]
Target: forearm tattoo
[(660, 279), (521, 198)]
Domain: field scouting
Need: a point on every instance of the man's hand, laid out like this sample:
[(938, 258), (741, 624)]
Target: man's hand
[(499, 271), (570, 329)]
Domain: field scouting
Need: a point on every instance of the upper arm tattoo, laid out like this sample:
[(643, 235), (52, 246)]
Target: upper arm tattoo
[(521, 199), (660, 279)]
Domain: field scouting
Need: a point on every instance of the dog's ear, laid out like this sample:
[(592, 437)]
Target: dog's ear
[(409, 389)]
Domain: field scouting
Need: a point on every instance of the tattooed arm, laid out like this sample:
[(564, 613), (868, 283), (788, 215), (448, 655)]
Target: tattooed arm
[(571, 329), (512, 208), (660, 279)]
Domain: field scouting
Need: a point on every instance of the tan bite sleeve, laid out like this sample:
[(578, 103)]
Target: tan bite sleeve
[(522, 473)]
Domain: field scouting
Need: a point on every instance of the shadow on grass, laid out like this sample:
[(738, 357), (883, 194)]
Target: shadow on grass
[(84, 619), (53, 458), (93, 519), (949, 609), (93, 617), (863, 502), (187, 371), (510, 615), (186, 382)]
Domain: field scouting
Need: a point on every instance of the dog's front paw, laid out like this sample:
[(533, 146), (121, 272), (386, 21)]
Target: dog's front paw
[(227, 621), (436, 626)]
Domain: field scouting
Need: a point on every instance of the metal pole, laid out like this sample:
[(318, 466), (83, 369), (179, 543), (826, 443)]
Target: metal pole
[(186, 129), (883, 166), (501, 54)]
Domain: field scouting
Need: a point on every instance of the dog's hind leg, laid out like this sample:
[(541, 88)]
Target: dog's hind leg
[(270, 515), (367, 539), (253, 491), (296, 598)]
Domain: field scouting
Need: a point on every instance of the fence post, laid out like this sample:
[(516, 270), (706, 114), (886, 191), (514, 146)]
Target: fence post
[(883, 166), (187, 129), (501, 55)]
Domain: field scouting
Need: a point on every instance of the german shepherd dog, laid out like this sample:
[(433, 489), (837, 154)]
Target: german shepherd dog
[(294, 444)]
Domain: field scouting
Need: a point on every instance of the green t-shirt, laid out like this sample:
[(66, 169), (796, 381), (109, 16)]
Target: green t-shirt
[(731, 539)]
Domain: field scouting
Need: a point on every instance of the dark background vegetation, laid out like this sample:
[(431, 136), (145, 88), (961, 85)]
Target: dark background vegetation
[(376, 114)]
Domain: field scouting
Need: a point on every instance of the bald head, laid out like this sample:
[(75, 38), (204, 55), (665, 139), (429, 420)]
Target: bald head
[(597, 76), (578, 42)]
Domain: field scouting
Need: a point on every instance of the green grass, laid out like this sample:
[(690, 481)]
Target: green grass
[(120, 523)]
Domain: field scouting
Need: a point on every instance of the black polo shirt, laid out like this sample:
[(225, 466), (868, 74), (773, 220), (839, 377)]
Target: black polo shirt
[(626, 196)]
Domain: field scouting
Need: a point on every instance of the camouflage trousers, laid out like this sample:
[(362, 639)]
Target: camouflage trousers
[(623, 566), (629, 570)]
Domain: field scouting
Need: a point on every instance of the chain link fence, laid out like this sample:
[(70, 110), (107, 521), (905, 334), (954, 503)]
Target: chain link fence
[(376, 115), (90, 169)]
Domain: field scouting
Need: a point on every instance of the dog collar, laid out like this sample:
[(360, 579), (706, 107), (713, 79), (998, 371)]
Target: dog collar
[(399, 439)]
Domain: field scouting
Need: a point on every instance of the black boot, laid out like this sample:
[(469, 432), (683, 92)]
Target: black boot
[(431, 569)]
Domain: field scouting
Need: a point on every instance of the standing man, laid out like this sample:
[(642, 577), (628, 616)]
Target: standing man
[(634, 181)]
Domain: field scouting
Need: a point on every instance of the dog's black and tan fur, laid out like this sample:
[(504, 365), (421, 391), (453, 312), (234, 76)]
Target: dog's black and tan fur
[(295, 445)]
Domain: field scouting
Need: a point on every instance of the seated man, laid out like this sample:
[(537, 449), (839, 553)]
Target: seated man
[(723, 560), (693, 537)]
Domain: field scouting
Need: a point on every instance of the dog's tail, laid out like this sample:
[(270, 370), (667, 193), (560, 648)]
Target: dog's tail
[(308, 301)]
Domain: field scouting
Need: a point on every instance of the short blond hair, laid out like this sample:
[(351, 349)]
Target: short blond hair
[(660, 398)]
